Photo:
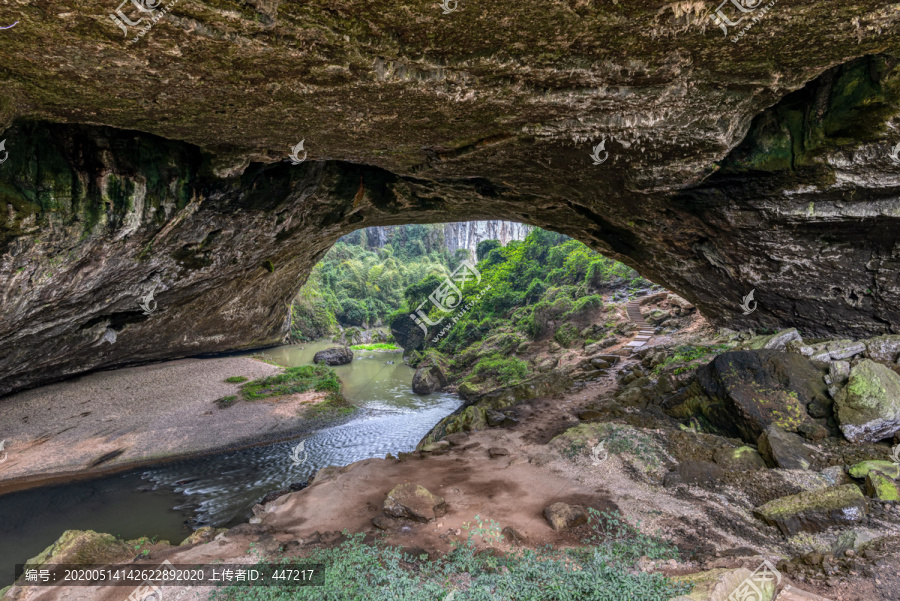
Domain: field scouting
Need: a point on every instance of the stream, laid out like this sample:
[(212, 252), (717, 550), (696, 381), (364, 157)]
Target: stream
[(171, 500)]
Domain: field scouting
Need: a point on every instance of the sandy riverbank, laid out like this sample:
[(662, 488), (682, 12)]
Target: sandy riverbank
[(115, 420)]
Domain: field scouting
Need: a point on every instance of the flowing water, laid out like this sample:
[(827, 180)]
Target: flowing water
[(219, 490)]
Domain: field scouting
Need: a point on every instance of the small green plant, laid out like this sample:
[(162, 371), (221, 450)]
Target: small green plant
[(236, 379), (489, 532)]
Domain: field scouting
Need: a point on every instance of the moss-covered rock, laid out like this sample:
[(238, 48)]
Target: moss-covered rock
[(882, 487), (888, 468), (816, 510), (868, 407), (744, 392)]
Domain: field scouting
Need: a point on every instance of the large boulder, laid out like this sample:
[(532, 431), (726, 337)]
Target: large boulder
[(428, 379), (744, 392), (868, 407), (339, 355), (815, 510), (412, 501), (784, 449), (562, 516), (407, 333), (883, 349)]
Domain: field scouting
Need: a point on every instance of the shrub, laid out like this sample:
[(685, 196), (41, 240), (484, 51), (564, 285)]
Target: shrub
[(505, 370), (535, 290), (484, 247), (236, 379)]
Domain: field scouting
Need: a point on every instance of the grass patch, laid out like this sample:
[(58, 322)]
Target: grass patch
[(294, 380), (601, 570), (236, 379), (376, 346), (335, 404)]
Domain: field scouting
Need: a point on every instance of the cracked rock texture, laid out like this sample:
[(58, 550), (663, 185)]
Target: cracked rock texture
[(158, 166)]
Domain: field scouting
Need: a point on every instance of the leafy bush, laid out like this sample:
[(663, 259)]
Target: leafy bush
[(505, 370), (484, 247), (375, 346), (236, 379)]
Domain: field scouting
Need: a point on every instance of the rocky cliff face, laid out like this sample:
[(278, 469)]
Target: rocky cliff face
[(762, 165), (468, 234)]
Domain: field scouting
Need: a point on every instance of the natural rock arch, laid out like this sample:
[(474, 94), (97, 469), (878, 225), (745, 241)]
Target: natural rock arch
[(804, 211)]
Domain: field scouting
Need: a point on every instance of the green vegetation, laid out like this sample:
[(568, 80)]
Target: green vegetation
[(602, 569), (236, 379), (292, 381), (359, 284), (376, 346), (505, 370)]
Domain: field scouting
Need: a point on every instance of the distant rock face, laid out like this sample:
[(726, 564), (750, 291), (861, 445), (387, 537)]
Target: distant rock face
[(868, 407), (467, 234), (339, 355)]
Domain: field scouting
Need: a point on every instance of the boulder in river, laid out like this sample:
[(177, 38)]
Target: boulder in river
[(428, 379), (868, 407), (338, 355), (407, 333)]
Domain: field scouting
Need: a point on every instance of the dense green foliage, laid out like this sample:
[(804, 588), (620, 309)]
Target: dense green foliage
[(376, 346), (603, 570), (547, 284), (359, 284)]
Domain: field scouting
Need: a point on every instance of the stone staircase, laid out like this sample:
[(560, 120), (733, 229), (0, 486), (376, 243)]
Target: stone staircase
[(645, 332)]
